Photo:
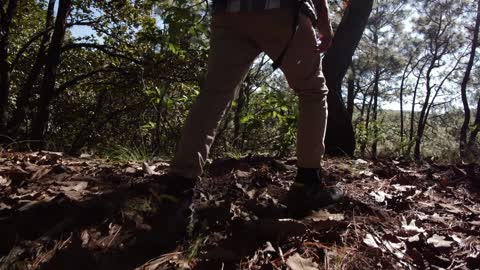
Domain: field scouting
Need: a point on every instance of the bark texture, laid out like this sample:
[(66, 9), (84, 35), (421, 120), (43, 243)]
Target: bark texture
[(463, 88), (47, 88), (340, 138)]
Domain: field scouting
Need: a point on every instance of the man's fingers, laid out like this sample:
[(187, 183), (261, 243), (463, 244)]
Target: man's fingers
[(325, 44)]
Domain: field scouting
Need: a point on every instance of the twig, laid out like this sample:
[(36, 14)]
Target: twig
[(281, 254), (115, 236)]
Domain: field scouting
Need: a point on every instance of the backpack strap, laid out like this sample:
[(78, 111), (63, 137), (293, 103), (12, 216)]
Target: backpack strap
[(305, 7), (296, 14)]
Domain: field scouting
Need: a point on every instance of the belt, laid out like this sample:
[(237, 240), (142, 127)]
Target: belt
[(233, 6)]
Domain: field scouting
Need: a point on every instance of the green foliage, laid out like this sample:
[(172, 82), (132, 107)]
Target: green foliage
[(131, 81), (133, 153)]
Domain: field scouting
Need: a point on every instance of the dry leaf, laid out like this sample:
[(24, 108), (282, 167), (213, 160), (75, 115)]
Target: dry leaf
[(146, 169), (130, 170), (296, 262), (380, 196), (451, 208), (439, 241), (402, 188), (4, 206), (242, 174), (371, 240), (411, 226), (4, 181), (324, 215), (41, 172), (78, 187)]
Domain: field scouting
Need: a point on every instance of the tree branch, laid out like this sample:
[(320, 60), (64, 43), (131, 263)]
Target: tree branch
[(103, 48)]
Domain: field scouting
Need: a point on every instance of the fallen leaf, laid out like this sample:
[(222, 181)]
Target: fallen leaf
[(451, 208), (41, 172), (78, 187), (366, 173), (4, 206), (250, 193), (146, 169), (412, 226), (269, 248), (130, 170), (360, 162), (242, 174), (475, 223), (403, 188), (439, 241), (296, 262), (395, 245), (85, 237), (4, 181), (324, 215), (380, 196), (371, 241)]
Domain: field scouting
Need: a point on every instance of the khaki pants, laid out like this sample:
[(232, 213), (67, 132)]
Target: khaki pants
[(237, 39)]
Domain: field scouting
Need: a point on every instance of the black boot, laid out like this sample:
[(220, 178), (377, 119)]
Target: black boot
[(309, 192)]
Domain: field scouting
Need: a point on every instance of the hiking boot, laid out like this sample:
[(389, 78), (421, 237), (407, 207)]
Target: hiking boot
[(309, 192)]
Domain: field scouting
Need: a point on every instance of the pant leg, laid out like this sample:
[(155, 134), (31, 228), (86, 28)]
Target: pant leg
[(231, 56), (302, 68)]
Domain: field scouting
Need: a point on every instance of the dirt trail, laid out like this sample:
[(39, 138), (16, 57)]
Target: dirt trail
[(59, 212)]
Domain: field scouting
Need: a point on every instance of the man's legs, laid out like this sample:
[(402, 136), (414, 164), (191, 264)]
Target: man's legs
[(231, 55), (302, 68)]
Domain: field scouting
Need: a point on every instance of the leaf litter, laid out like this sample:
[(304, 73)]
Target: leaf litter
[(61, 212)]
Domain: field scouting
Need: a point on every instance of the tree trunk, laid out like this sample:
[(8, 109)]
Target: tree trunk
[(40, 123), (402, 88), (26, 92), (463, 89), (375, 111), (412, 112), (340, 137), (237, 138), (376, 82), (472, 143), (351, 94), (363, 147), (5, 23), (422, 120)]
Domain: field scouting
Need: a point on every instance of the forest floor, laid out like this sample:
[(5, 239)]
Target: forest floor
[(60, 212)]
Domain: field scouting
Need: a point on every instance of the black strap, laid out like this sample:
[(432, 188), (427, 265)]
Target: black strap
[(277, 63)]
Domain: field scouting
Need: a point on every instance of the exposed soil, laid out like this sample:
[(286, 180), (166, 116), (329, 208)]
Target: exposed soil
[(60, 212)]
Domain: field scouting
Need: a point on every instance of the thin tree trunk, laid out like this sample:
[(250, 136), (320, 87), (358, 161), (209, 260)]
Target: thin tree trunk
[(5, 24), (463, 88), (351, 94), (40, 123), (237, 139), (376, 91), (402, 88), (472, 143), (412, 112), (422, 119), (363, 147), (26, 92), (375, 112), (340, 137)]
